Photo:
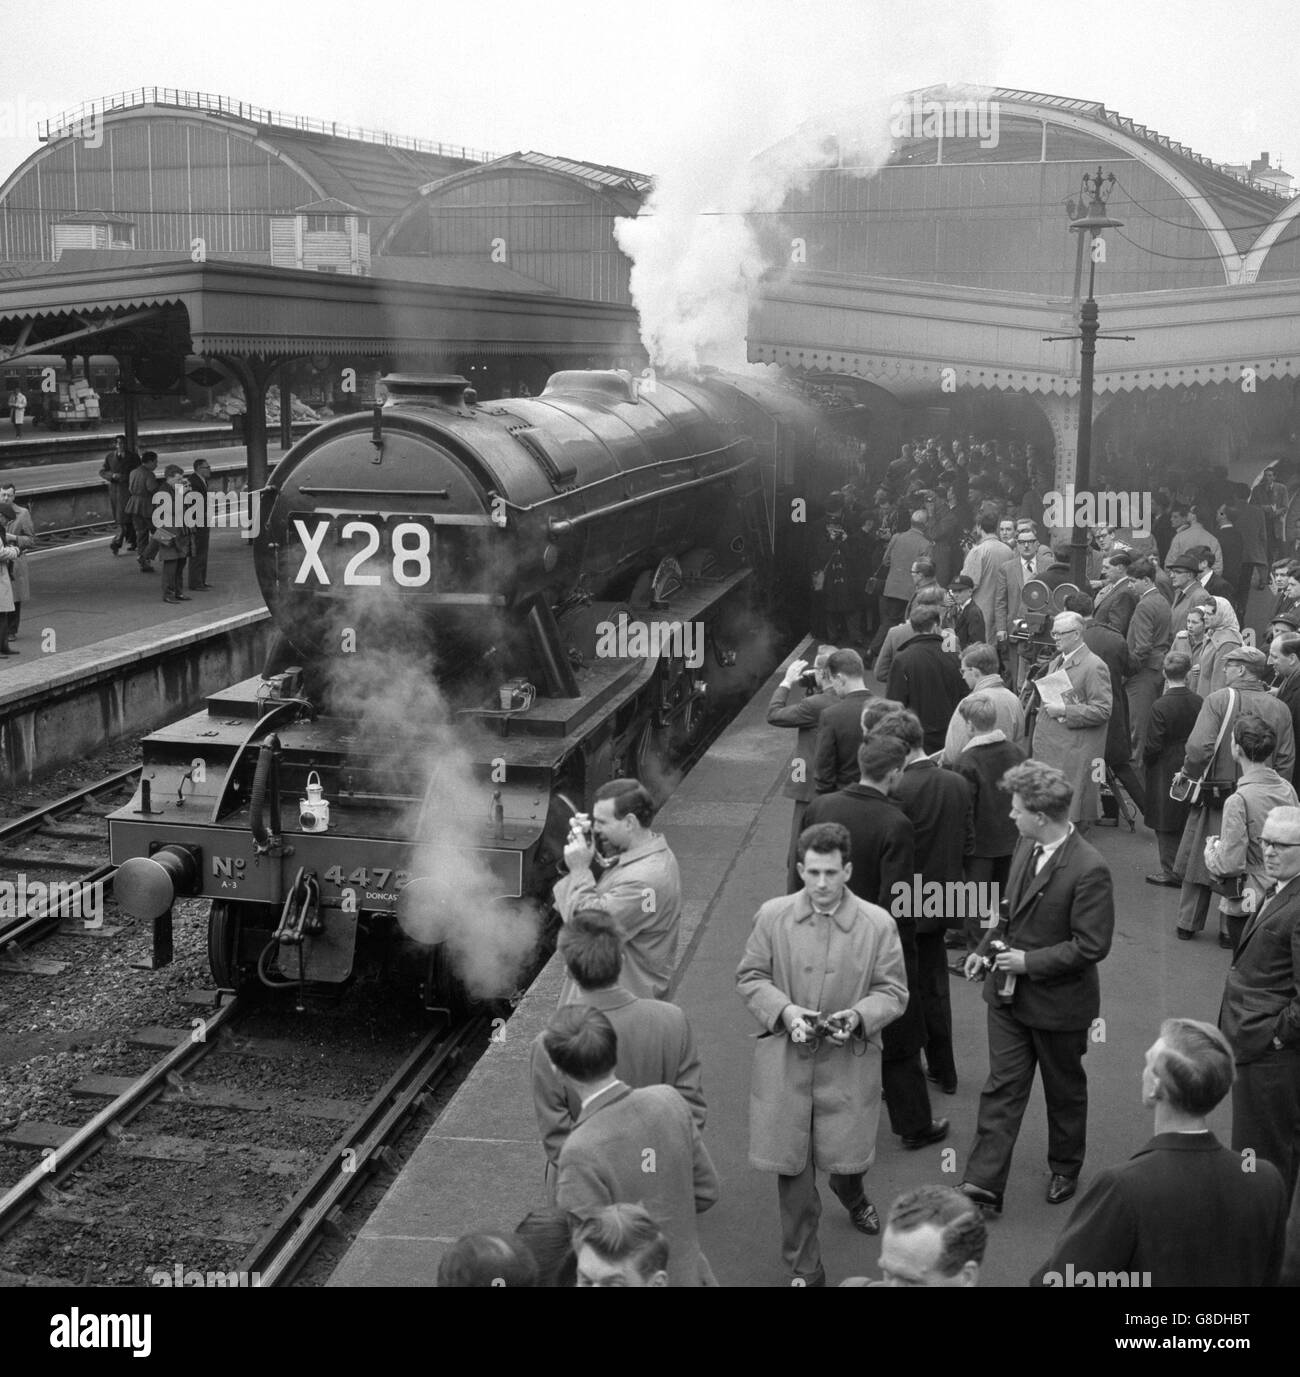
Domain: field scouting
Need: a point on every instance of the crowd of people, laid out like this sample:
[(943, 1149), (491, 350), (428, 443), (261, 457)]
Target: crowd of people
[(982, 758), (134, 481)]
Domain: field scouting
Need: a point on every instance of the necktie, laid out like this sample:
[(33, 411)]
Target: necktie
[(1029, 569), (1035, 856)]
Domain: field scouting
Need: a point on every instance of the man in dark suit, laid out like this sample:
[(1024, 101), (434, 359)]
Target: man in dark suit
[(1214, 584), (1173, 715), (937, 802), (805, 716), (1284, 656), (1181, 1212), (883, 867), (198, 480), (618, 1130), (965, 616), (655, 1046), (1111, 649), (1260, 1014), (1115, 600), (1031, 558), (924, 677), (1042, 989), (1059, 571), (839, 733)]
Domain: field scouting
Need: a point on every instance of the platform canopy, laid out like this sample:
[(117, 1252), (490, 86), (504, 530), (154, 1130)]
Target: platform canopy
[(252, 318)]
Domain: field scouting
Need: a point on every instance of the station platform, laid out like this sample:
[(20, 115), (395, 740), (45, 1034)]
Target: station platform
[(81, 471), (82, 594), (480, 1167)]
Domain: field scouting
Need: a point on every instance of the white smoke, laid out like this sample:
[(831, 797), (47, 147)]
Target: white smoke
[(406, 728), (772, 94)]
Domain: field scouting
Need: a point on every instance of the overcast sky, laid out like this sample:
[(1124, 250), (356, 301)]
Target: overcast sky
[(634, 84)]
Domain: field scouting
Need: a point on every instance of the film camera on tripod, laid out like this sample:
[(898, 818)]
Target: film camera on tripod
[(1032, 632)]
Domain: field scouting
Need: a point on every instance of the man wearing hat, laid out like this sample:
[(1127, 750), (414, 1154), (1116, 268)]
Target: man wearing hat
[(1188, 593), (964, 616), (1247, 670)]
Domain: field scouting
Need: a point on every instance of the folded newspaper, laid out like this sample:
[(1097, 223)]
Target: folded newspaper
[(1056, 690)]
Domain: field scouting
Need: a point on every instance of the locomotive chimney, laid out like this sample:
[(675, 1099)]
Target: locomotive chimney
[(421, 389)]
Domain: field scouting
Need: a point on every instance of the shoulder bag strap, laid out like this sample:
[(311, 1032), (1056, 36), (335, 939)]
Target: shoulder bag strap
[(1218, 740)]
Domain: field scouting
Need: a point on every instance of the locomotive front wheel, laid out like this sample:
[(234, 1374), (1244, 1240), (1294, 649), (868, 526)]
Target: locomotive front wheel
[(231, 968)]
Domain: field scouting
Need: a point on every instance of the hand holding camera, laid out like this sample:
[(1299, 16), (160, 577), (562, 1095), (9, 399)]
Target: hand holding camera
[(580, 846), (794, 673)]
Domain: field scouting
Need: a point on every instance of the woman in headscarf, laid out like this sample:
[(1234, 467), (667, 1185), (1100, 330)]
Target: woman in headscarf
[(1222, 636), (1191, 641)]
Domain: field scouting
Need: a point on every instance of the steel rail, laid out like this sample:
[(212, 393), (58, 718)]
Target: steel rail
[(282, 1251), (59, 1163), (51, 812)]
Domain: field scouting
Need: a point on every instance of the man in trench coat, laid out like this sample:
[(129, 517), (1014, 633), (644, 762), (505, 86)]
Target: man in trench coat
[(1072, 738), (821, 954)]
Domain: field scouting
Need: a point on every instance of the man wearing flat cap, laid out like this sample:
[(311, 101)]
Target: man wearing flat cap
[(1247, 671), (1188, 593)]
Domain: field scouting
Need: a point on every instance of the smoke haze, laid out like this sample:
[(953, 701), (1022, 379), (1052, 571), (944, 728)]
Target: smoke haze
[(407, 728)]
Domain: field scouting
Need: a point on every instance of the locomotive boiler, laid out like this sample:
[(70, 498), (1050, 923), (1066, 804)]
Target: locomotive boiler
[(576, 576)]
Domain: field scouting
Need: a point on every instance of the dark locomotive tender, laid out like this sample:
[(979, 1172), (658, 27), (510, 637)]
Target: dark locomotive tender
[(503, 537)]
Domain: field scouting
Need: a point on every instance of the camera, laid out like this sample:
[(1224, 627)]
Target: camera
[(1006, 989), (808, 681)]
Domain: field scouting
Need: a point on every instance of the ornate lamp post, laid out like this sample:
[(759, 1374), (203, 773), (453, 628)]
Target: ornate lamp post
[(1093, 193)]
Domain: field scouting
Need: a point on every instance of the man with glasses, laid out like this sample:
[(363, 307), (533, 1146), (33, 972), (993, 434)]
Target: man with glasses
[(1071, 736), (1030, 561), (1260, 1014)]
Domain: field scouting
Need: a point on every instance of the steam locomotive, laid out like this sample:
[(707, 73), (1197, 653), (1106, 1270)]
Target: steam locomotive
[(544, 563)]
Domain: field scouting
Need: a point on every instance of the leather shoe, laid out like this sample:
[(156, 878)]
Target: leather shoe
[(986, 1200), (1061, 1188), (949, 1086), (1226, 942), (200, 587), (864, 1218), (183, 597), (1184, 935), (936, 1133), (1167, 880)]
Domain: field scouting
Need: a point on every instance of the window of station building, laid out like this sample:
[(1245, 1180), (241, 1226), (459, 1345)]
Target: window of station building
[(978, 132), (327, 224), (1069, 145)]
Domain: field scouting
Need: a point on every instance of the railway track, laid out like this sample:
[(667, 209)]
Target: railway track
[(96, 1196), (47, 847)]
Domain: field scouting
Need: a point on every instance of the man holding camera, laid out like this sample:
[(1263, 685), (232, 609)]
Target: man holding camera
[(1041, 987), (640, 887), (823, 974)]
